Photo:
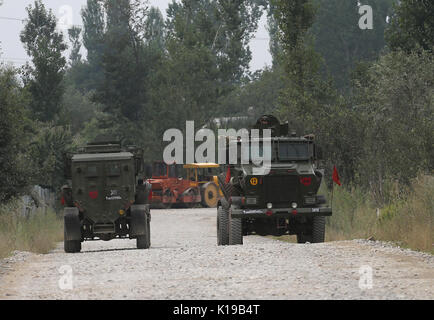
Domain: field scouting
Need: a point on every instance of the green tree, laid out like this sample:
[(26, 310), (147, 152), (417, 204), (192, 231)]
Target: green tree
[(78, 108), (46, 150), (261, 94), (398, 100), (122, 91), (273, 30), (340, 41), (237, 21), (412, 26), (93, 32), (89, 75), (208, 52), (307, 101), (306, 95), (74, 37), (14, 163), (45, 45), (154, 31)]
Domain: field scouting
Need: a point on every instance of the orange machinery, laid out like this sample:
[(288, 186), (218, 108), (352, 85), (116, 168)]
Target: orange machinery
[(186, 185)]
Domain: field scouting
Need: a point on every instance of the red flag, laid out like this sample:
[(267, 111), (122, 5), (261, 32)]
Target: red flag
[(336, 176), (228, 175)]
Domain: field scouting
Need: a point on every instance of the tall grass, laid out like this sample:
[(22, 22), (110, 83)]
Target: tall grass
[(406, 218), (38, 233)]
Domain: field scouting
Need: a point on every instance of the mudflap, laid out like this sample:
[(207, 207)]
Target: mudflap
[(138, 223), (72, 224)]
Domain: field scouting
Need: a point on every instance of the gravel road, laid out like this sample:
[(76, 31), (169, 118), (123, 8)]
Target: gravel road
[(184, 262)]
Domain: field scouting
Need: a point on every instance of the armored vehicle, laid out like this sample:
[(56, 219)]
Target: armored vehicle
[(283, 200), (106, 197)]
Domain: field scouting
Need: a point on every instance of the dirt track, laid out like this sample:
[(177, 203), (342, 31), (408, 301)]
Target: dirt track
[(185, 263)]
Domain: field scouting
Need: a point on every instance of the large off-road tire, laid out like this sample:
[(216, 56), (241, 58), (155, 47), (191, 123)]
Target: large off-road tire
[(318, 232), (210, 195), (139, 226), (72, 246), (144, 241), (318, 229), (72, 230), (235, 231), (222, 226)]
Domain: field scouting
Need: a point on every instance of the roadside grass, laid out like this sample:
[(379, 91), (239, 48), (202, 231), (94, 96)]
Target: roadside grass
[(406, 219), (38, 233)]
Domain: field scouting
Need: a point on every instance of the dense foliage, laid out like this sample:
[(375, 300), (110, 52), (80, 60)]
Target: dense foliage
[(366, 94)]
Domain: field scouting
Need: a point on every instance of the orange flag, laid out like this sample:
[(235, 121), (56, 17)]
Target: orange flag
[(336, 176)]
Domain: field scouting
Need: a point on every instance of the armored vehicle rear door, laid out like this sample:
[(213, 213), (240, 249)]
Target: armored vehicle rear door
[(103, 184)]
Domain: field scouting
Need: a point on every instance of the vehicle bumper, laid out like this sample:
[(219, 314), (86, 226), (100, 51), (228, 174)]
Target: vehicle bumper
[(281, 212)]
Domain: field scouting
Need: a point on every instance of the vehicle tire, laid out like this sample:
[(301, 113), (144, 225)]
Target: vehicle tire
[(144, 241), (148, 222), (222, 226), (73, 246), (210, 195), (303, 238), (318, 232), (235, 231), (318, 229), (71, 230)]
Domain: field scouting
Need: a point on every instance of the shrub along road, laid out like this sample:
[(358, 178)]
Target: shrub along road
[(184, 262)]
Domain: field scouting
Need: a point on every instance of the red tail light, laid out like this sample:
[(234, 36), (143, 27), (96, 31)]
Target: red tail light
[(93, 194), (306, 181)]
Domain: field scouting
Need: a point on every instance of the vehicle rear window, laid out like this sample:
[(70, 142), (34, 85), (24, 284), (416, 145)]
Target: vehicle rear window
[(114, 170), (258, 151), (293, 151)]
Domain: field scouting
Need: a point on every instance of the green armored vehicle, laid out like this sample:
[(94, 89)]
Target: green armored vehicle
[(106, 197), (283, 200)]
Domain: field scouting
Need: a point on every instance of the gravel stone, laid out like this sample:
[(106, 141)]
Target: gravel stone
[(184, 262)]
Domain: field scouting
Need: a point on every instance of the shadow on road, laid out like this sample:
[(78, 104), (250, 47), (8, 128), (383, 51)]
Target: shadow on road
[(109, 250)]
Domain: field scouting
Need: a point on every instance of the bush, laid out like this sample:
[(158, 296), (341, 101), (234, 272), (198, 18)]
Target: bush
[(410, 222), (14, 168), (354, 215), (407, 219)]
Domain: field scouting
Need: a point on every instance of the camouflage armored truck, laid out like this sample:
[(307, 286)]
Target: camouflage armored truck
[(106, 198), (283, 201)]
